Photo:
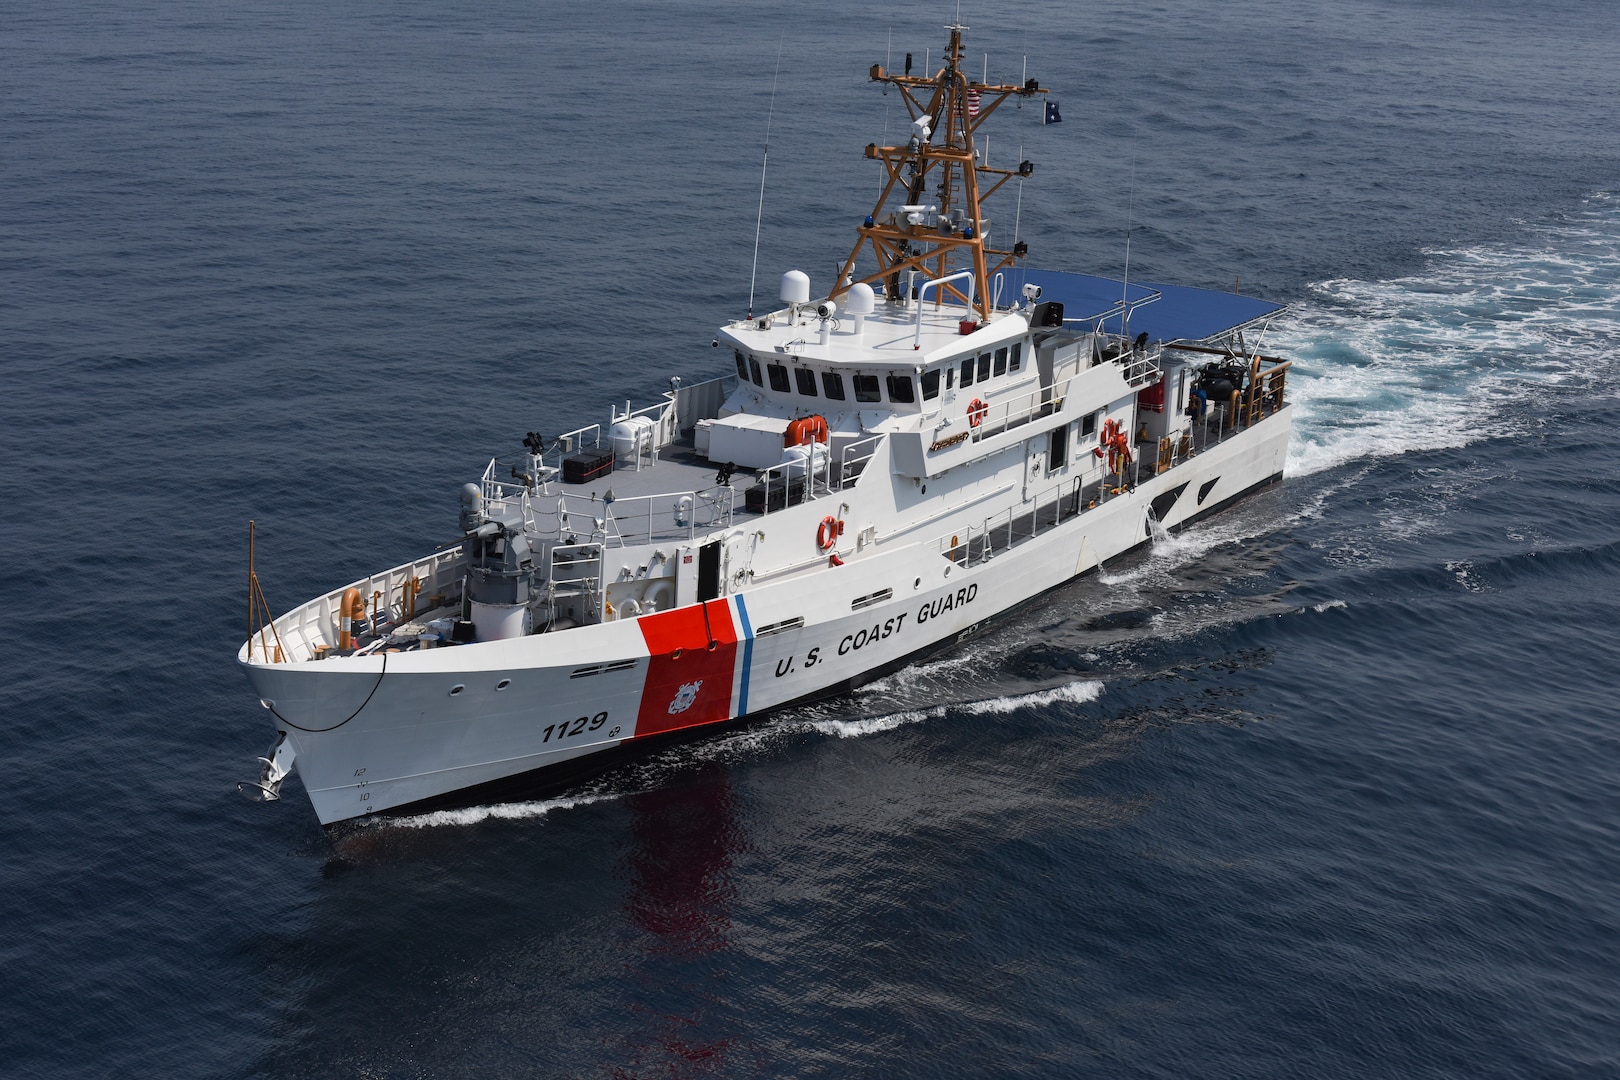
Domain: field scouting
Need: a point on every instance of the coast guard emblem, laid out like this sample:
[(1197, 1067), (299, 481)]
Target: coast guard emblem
[(684, 697)]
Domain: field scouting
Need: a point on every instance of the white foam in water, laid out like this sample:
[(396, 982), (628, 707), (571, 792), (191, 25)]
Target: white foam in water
[(908, 677), (1075, 693), (1437, 359), (472, 815), (1464, 573), (1171, 550), (854, 729)]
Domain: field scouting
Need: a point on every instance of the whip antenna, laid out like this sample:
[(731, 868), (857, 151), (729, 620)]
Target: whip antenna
[(888, 57), (1125, 286), (1018, 211), (759, 217)]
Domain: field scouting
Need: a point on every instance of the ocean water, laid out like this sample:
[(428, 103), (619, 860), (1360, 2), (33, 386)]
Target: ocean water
[(1325, 786)]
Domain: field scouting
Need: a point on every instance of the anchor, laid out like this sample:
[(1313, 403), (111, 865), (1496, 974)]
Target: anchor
[(272, 771)]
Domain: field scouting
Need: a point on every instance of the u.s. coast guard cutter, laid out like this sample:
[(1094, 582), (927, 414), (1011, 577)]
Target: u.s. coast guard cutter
[(942, 437)]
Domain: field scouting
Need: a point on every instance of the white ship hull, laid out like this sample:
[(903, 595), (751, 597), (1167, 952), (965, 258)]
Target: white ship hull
[(401, 731), (942, 436)]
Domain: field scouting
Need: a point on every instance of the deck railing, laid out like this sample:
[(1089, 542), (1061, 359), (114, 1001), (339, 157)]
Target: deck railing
[(778, 480), (853, 458), (1141, 368), (703, 397), (973, 544), (528, 475), (1017, 411), (405, 592), (635, 519), (587, 437)]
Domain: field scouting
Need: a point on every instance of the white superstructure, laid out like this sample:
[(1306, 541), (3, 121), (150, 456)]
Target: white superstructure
[(883, 471)]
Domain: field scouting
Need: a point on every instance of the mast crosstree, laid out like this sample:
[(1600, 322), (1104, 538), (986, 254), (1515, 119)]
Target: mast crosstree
[(940, 181)]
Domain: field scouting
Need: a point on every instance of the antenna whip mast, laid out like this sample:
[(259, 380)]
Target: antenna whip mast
[(1125, 285), (759, 217)]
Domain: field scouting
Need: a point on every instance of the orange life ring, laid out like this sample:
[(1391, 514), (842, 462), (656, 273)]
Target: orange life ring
[(977, 410), (827, 533)]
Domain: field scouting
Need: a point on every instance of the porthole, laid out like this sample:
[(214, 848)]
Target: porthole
[(917, 584), (676, 655), (456, 689), (503, 684)]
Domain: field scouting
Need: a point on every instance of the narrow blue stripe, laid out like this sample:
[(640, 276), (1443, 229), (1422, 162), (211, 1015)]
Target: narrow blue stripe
[(748, 655)]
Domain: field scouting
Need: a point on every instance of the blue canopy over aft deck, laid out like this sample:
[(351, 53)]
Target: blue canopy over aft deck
[(1181, 313)]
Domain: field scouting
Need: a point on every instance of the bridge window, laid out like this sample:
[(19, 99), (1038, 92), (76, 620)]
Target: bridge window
[(930, 381), (1088, 426), (866, 388), (984, 366), (1001, 361), (967, 372), (742, 366), (1017, 356), (902, 390), (779, 379), (833, 384), (806, 380), (753, 366)]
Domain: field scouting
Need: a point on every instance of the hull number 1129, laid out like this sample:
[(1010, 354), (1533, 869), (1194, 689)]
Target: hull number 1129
[(569, 728)]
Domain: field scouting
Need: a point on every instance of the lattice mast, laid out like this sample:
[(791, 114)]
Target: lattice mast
[(935, 174)]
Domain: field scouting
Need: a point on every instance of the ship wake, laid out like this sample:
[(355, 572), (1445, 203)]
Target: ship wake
[(1446, 357)]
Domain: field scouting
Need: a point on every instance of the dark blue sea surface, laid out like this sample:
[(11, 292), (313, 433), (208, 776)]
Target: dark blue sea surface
[(1325, 786)]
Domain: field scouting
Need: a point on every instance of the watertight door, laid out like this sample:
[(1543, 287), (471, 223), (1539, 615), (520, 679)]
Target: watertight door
[(709, 570)]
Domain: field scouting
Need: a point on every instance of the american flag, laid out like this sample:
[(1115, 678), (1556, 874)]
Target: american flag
[(973, 102)]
